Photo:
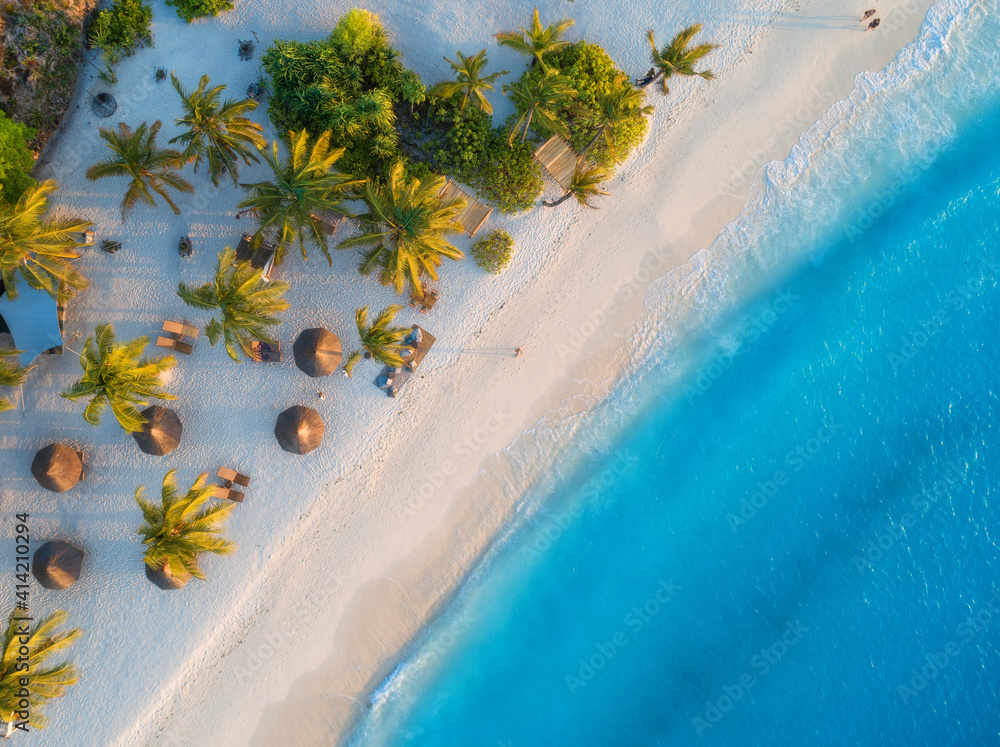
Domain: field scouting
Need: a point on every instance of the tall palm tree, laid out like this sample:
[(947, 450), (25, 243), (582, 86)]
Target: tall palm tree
[(467, 71), (47, 681), (405, 229), (181, 528), (379, 340), (677, 58), (151, 168), (39, 249), (540, 98), (11, 374), (537, 41), (615, 106), (246, 304), (584, 184), (304, 183), (120, 376), (217, 131)]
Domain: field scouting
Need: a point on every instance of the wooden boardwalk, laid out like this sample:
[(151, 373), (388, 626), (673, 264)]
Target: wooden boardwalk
[(475, 213), (559, 159)]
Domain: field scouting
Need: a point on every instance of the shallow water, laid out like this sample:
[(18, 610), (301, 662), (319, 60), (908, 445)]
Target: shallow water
[(778, 530)]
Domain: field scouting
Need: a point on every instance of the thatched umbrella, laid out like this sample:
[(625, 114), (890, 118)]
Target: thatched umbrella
[(57, 468), (57, 565), (317, 352), (167, 580), (161, 433), (299, 430)]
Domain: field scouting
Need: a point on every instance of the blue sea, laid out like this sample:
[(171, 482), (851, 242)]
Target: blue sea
[(781, 528)]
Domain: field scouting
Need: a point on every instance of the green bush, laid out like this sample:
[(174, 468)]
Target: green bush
[(493, 252), (590, 70), (191, 9), (16, 161), (357, 33), (119, 30)]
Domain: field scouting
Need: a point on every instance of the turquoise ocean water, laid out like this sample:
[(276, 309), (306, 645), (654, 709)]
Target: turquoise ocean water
[(782, 527)]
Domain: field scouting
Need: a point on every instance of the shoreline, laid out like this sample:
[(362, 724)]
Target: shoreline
[(345, 557)]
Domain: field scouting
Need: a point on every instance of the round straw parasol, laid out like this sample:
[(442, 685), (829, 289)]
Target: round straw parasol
[(161, 433), (57, 468), (167, 580), (57, 565), (299, 430), (317, 352)]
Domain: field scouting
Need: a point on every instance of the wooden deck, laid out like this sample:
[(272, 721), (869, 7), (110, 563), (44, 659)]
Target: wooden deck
[(475, 213), (559, 159), (420, 349)]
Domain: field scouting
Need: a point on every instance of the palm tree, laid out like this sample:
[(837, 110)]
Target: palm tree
[(583, 185), (677, 58), (120, 376), (11, 374), (405, 229), (380, 340), (540, 98), (538, 41), (468, 70), (181, 528), (246, 304), (304, 183), (39, 249), (151, 168), (614, 107), (46, 682), (218, 131)]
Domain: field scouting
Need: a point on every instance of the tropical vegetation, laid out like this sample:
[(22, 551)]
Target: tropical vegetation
[(405, 229), (583, 185), (16, 160), (120, 376), (539, 99), (191, 9), (678, 57), (493, 251), (246, 304), (42, 680), (40, 251), (217, 130), (11, 374), (152, 169), (305, 184), (469, 81), (182, 527), (537, 41), (379, 340), (122, 28)]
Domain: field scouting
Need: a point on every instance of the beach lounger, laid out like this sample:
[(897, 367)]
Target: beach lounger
[(231, 475), (172, 344), (221, 491), (267, 352), (181, 329), (425, 302)]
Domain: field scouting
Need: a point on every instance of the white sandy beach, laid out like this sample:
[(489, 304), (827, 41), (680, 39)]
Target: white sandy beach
[(345, 554)]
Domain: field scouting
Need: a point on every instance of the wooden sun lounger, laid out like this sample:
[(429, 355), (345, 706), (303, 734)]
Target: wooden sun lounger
[(267, 352), (558, 159), (221, 491), (181, 329), (172, 344), (231, 475), (419, 349), (329, 222), (83, 465)]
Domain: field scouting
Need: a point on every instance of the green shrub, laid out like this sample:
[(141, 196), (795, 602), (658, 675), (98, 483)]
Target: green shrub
[(16, 161), (119, 30), (357, 33), (493, 251), (191, 9), (590, 71)]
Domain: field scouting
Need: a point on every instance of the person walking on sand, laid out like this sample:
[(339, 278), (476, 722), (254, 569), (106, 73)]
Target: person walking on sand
[(873, 25), (868, 14), (517, 352)]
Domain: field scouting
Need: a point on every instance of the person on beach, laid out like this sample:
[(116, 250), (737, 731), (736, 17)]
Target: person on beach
[(873, 25), (868, 14), (517, 352)]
